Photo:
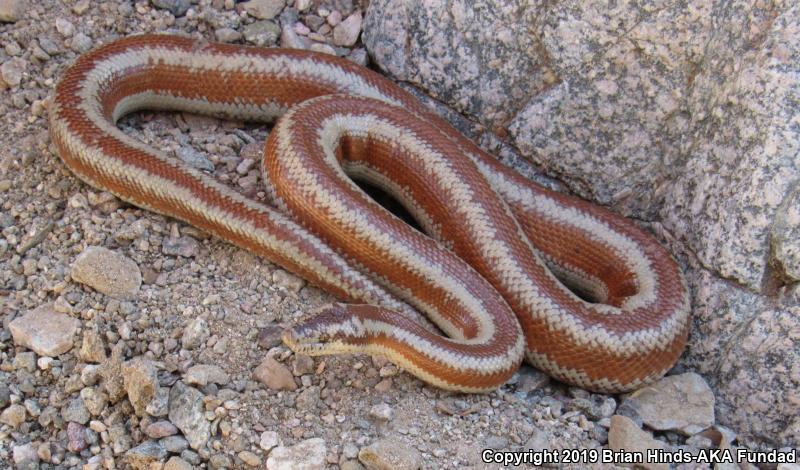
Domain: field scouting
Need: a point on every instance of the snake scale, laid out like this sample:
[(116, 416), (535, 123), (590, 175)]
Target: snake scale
[(491, 270)]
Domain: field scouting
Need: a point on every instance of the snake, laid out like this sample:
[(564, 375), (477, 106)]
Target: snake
[(498, 270)]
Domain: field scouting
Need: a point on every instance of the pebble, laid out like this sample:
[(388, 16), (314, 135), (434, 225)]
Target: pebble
[(160, 429), (219, 461), (111, 373), (12, 71), (94, 400), (203, 374), (12, 11), (187, 412), (195, 333), (175, 444), (382, 412), (93, 348), (25, 361), (75, 410), (25, 456), (80, 43), (227, 35), (269, 439), (76, 437), (496, 443), (302, 365), (5, 395), (625, 434), (107, 272), (346, 33), (269, 337), (45, 331), (264, 9), (194, 158), (177, 463), (249, 458), (287, 280), (142, 456), (308, 455), (262, 33), (184, 246), (176, 7), (13, 416), (682, 403), (274, 375), (390, 454), (141, 383), (64, 27)]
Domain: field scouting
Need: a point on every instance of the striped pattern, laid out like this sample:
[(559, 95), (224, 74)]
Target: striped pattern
[(486, 277)]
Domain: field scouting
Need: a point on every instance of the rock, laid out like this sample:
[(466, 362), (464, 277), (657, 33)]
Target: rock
[(160, 429), (262, 33), (144, 455), (181, 246), (94, 400), (682, 403), (159, 405), (5, 395), (141, 383), (177, 463), (302, 365), (111, 373), (539, 441), (176, 7), (227, 35), (306, 455), (107, 272), (93, 349), (187, 412), (382, 412), (76, 437), (195, 333), (264, 9), (531, 379), (345, 34), (203, 374), (25, 361), (13, 416), (269, 337), (287, 280), (174, 444), (45, 331), (194, 158), (387, 454), (269, 439), (12, 71), (75, 410), (11, 10), (624, 434), (274, 375), (220, 461), (249, 458), (25, 457), (80, 43)]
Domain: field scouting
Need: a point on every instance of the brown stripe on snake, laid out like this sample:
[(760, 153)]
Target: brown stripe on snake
[(633, 334)]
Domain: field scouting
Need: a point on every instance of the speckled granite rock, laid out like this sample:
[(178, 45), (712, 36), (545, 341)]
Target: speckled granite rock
[(676, 115)]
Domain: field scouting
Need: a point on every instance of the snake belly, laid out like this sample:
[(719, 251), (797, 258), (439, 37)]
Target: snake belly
[(491, 273)]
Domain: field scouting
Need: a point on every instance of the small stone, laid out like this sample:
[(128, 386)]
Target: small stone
[(81, 7), (93, 349), (682, 403), (288, 281), (5, 395), (624, 434), (25, 361), (187, 412), (302, 365), (203, 374), (496, 442), (107, 272), (219, 461), (274, 375), (177, 463), (45, 331), (269, 337), (25, 456), (176, 7), (186, 247), (160, 429), (346, 33), (264, 9), (306, 455), (141, 383), (249, 458), (262, 33), (12, 10), (269, 439), (12, 71), (80, 43), (382, 412), (104, 201), (64, 27), (227, 35), (142, 456), (76, 437), (389, 453), (75, 411), (13, 416), (94, 400), (175, 444), (194, 158), (195, 333), (111, 373)]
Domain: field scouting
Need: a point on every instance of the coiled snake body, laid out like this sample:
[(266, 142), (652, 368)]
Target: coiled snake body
[(485, 275)]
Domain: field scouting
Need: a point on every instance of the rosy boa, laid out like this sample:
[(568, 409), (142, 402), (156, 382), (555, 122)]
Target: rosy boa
[(485, 273)]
